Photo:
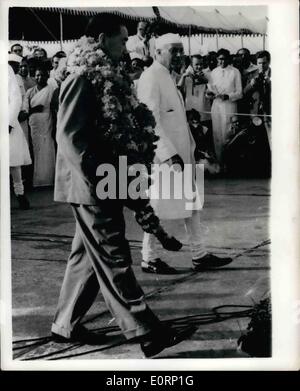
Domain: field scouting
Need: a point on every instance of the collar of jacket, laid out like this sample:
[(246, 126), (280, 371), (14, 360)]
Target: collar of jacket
[(158, 65)]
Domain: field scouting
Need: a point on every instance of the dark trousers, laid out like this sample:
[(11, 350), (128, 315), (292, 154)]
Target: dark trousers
[(100, 258)]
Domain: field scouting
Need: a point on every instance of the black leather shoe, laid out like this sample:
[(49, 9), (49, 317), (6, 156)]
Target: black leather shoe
[(161, 340), (79, 334), (157, 267), (210, 261)]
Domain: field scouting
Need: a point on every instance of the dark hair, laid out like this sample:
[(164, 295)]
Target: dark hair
[(41, 68), (148, 61), (193, 114), (212, 53), (197, 56), (43, 65), (15, 44), (31, 60), (108, 24), (143, 21), (41, 50), (246, 50), (263, 53), (139, 62), (60, 54), (223, 52)]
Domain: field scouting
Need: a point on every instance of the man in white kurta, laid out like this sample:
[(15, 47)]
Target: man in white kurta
[(176, 148), (225, 87)]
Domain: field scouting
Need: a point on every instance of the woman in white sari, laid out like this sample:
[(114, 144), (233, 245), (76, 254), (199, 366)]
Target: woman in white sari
[(37, 105), (225, 88), (18, 149)]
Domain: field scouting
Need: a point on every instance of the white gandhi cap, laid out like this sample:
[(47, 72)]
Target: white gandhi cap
[(167, 39)]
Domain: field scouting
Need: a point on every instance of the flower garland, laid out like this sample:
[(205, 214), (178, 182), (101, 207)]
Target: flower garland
[(125, 124)]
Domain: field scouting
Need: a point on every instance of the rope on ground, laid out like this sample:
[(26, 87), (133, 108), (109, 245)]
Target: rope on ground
[(212, 317)]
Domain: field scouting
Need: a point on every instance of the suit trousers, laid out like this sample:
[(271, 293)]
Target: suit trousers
[(100, 258)]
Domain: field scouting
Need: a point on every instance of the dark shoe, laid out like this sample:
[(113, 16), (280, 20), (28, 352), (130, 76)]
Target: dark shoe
[(161, 340), (157, 267), (23, 202), (79, 334), (210, 261)]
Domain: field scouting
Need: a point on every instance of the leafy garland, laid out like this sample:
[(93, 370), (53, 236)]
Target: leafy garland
[(125, 124)]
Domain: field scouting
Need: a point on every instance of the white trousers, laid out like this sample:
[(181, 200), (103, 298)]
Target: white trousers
[(16, 175), (151, 246)]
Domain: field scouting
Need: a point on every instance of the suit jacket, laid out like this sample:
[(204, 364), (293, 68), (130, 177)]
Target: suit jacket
[(259, 94), (78, 146)]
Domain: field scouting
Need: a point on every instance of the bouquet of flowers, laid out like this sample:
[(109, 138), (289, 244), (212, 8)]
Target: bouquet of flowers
[(125, 124)]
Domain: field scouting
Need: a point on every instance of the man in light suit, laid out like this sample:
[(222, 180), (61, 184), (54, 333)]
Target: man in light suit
[(176, 148), (100, 256)]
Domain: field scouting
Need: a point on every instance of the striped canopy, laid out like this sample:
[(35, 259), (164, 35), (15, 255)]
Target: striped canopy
[(43, 23)]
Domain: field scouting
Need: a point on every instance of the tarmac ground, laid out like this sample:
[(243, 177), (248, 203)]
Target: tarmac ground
[(235, 221)]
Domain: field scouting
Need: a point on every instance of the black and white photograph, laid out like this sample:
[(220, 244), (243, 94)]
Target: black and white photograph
[(139, 180)]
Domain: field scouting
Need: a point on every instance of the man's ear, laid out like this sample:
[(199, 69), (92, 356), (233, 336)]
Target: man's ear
[(101, 39)]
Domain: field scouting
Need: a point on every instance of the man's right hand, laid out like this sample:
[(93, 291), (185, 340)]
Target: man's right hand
[(176, 162)]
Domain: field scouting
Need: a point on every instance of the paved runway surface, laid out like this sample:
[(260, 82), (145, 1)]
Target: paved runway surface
[(235, 222)]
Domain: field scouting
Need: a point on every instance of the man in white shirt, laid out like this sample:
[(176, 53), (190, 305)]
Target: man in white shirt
[(140, 43), (194, 83), (175, 147), (17, 49), (225, 87)]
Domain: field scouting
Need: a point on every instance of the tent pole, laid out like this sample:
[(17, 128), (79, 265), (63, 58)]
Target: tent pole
[(190, 41), (61, 30), (217, 40), (242, 41), (264, 41)]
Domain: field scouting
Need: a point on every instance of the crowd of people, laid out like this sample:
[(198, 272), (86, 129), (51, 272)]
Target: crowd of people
[(38, 79), (179, 111), (217, 89), (225, 95)]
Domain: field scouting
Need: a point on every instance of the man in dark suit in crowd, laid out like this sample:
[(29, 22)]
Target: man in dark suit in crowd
[(259, 86), (100, 256)]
